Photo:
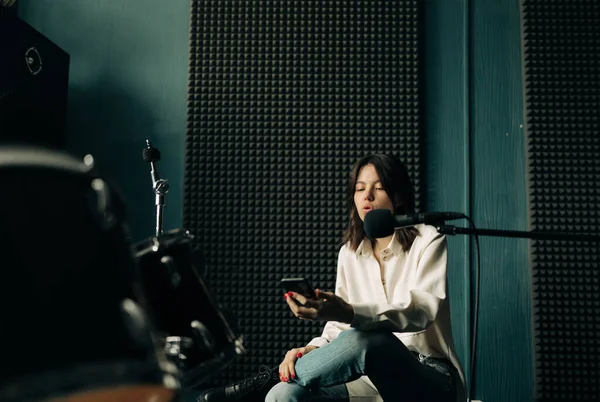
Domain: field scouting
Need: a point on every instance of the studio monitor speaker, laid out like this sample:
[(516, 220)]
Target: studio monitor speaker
[(34, 74)]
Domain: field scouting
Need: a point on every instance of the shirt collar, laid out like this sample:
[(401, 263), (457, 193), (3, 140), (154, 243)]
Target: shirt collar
[(364, 248)]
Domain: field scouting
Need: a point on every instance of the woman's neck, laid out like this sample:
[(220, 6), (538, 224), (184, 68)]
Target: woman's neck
[(380, 244)]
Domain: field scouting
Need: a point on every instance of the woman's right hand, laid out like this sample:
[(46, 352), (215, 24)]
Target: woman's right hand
[(287, 369)]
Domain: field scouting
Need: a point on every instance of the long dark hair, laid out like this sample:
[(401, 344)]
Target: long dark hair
[(394, 177)]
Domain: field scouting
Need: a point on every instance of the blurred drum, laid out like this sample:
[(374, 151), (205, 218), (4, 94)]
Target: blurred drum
[(72, 320), (196, 334)]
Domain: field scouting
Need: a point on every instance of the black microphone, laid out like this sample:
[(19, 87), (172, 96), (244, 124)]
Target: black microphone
[(381, 223)]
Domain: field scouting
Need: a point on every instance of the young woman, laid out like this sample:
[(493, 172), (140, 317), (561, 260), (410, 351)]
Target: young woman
[(388, 334)]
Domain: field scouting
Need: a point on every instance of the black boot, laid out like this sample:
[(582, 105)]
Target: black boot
[(250, 389)]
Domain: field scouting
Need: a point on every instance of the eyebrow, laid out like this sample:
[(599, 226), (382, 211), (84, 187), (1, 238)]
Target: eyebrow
[(362, 182)]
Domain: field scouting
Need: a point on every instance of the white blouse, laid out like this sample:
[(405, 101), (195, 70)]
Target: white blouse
[(408, 294)]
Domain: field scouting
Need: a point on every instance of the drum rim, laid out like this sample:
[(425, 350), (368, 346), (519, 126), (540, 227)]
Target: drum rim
[(38, 157), (87, 376)]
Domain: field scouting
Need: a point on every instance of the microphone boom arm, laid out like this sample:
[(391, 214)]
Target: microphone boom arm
[(453, 230)]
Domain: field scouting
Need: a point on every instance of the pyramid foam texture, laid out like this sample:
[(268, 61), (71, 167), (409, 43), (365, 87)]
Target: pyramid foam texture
[(283, 98), (562, 76)]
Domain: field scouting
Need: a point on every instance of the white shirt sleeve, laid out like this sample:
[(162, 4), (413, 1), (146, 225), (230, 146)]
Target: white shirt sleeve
[(333, 328), (416, 306)]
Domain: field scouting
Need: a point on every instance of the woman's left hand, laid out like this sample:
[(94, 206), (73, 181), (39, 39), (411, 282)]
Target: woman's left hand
[(326, 307)]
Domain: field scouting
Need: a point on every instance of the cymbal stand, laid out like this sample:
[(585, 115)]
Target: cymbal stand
[(160, 186)]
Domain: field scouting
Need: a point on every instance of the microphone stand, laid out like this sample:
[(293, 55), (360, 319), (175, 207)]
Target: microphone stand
[(159, 186), (444, 229), (453, 230)]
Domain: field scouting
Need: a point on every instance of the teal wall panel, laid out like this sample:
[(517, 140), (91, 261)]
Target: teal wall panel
[(476, 164), (499, 201), (128, 82), (446, 99)]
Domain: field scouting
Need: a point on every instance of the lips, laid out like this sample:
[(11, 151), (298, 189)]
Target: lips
[(367, 208)]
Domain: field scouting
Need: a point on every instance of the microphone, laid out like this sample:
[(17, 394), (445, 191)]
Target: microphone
[(381, 223)]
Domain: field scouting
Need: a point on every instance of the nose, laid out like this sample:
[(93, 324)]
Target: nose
[(369, 195)]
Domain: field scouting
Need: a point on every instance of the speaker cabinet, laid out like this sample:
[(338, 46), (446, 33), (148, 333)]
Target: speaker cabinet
[(34, 75)]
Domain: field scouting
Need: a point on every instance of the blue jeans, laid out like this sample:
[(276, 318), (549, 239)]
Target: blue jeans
[(397, 373)]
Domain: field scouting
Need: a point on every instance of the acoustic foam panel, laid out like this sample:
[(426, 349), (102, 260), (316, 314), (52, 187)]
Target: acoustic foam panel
[(283, 98), (562, 78)]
